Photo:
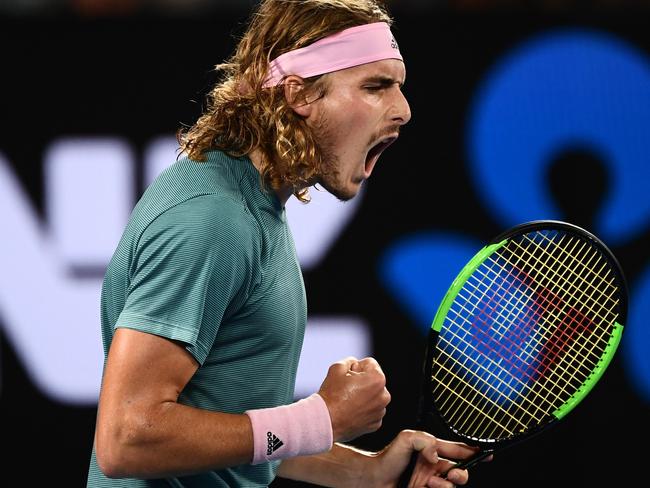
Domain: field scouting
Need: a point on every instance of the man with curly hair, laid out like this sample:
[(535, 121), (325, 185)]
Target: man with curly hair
[(203, 306)]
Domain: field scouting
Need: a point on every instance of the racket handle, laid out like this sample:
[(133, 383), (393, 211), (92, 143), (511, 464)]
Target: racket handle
[(468, 463)]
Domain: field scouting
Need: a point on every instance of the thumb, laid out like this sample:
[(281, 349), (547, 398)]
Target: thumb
[(409, 442), (356, 366), (346, 365), (425, 444)]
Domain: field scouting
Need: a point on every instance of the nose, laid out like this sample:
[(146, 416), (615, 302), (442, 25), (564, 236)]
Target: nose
[(401, 111)]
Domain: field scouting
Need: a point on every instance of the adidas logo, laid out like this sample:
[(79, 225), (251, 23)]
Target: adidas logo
[(273, 443)]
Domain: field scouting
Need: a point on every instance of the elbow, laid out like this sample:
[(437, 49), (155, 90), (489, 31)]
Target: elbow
[(109, 462), (116, 450), (109, 467)]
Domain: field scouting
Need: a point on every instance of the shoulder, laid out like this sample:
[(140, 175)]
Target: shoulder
[(217, 173), (207, 218), (197, 202)]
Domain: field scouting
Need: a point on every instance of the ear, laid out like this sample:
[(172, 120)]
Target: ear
[(294, 93)]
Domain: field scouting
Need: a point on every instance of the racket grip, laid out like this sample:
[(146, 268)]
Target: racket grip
[(404, 479), (468, 463)]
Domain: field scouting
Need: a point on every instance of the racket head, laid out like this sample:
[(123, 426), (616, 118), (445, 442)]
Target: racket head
[(525, 331)]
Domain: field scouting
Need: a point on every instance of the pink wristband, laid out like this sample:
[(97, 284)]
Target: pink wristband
[(299, 429)]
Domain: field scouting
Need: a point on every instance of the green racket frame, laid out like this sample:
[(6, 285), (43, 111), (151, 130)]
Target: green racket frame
[(428, 415)]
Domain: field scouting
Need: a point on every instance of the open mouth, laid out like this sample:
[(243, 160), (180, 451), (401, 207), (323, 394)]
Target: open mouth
[(374, 153)]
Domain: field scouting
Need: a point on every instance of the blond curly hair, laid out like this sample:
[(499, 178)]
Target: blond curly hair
[(242, 116)]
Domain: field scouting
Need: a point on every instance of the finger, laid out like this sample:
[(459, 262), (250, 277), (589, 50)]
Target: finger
[(387, 396), (409, 440), (456, 450), (426, 445), (423, 472), (356, 368), (369, 364), (455, 476), (436, 482), (400, 452), (344, 365), (347, 362), (458, 476)]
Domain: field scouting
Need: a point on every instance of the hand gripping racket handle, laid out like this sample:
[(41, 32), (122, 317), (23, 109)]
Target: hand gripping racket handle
[(466, 464)]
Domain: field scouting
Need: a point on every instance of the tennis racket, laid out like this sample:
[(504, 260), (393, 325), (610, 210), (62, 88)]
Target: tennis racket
[(523, 334)]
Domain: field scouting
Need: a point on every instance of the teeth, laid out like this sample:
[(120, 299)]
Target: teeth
[(383, 142)]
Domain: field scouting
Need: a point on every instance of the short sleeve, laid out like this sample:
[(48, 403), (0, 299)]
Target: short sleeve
[(192, 267)]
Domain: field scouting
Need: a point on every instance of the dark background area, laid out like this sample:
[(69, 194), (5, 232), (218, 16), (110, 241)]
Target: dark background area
[(142, 75)]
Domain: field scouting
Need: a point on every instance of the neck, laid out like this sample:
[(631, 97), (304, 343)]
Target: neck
[(283, 193)]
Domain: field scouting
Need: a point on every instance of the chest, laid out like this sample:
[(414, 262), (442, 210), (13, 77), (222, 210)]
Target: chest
[(274, 313)]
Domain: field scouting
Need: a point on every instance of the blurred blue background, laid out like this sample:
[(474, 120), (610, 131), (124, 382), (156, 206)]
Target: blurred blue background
[(521, 111)]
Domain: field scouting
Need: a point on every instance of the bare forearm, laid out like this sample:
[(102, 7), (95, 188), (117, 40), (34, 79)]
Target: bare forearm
[(341, 467), (173, 440)]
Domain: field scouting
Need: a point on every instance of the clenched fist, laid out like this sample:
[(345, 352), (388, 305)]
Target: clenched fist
[(356, 397)]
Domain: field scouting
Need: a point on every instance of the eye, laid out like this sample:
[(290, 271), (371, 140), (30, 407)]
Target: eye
[(373, 88)]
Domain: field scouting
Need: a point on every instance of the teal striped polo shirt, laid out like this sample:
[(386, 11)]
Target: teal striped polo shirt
[(207, 258)]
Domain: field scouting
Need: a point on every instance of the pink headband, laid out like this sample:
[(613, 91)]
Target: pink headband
[(351, 47)]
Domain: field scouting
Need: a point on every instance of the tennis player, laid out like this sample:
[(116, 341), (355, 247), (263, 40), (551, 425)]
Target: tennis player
[(203, 306)]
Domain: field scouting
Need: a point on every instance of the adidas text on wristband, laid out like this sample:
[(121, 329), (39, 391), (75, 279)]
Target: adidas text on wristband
[(299, 429)]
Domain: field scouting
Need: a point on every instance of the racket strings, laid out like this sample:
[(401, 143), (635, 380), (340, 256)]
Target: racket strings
[(562, 340), (552, 303), (486, 366), (505, 360), (461, 385), (557, 307), (466, 357), (512, 418), (586, 302), (502, 319), (577, 278), (592, 336), (458, 400), (461, 402)]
